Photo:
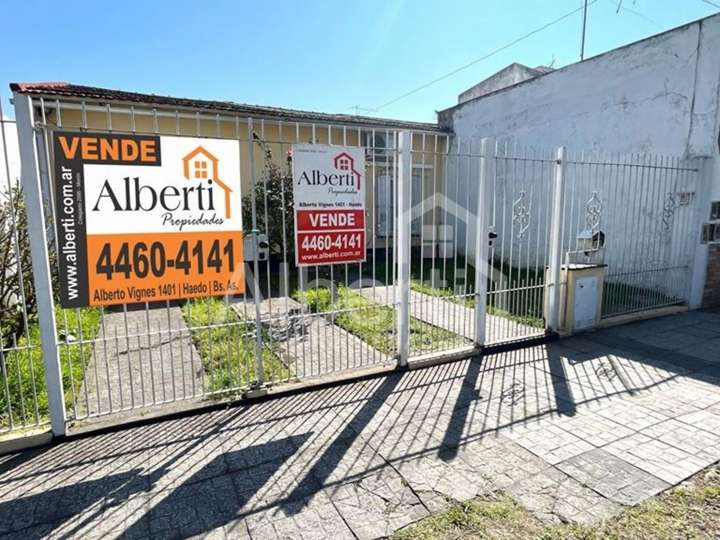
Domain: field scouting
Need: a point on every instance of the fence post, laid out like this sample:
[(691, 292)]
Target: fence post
[(482, 238), (552, 321), (259, 367), (403, 244), (40, 262)]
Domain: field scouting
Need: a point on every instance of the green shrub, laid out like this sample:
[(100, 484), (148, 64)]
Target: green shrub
[(22, 376), (318, 300), (227, 346)]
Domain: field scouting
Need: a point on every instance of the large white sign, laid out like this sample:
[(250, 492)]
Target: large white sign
[(329, 196), (146, 218)]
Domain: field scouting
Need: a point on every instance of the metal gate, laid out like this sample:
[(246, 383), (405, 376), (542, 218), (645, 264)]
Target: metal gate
[(466, 245)]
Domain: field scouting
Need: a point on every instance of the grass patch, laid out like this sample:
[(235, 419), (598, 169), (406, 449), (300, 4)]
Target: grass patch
[(25, 364), (226, 345), (691, 510), (375, 324)]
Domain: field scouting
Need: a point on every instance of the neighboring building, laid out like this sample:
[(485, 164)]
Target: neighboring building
[(659, 95), (13, 154), (513, 74)]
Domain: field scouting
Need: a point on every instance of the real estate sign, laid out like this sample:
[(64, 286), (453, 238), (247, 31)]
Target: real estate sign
[(329, 198), (142, 218)]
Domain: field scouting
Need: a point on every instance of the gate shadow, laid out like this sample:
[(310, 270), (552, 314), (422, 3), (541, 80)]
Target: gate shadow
[(206, 500)]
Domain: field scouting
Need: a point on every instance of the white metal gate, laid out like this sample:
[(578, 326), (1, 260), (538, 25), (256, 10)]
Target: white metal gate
[(466, 242)]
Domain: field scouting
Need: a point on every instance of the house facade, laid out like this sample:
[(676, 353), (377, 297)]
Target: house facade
[(273, 131)]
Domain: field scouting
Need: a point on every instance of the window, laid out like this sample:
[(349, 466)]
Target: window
[(201, 169), (715, 211), (344, 164)]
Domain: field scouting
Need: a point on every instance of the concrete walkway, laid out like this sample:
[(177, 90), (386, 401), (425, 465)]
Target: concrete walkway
[(156, 363), (454, 317), (576, 430)]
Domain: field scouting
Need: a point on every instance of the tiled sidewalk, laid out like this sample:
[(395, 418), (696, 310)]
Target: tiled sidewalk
[(574, 430)]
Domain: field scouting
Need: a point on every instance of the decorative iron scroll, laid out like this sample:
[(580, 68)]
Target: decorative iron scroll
[(593, 212), (521, 214), (669, 210)]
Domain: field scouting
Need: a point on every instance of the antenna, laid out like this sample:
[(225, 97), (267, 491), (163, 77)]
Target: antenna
[(582, 43)]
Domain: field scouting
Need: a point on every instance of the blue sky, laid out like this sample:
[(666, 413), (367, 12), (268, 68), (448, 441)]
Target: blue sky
[(316, 55)]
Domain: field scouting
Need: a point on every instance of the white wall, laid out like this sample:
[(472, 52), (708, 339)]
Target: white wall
[(657, 96), (13, 152)]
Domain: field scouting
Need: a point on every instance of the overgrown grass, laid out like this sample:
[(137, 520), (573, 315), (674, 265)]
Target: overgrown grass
[(226, 345), (375, 324), (23, 376), (691, 510)]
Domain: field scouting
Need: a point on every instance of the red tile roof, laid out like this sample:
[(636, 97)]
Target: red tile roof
[(59, 89)]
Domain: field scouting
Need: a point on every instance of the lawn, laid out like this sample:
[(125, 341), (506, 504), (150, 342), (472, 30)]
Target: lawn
[(25, 361), (375, 324), (227, 346), (452, 279), (691, 510)]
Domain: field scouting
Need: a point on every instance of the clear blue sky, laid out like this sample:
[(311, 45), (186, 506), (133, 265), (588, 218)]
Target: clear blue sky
[(315, 55)]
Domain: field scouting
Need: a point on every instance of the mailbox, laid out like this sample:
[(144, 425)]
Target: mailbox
[(256, 247), (589, 241)]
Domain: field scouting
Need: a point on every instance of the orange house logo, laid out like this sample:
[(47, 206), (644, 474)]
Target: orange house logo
[(345, 162), (202, 165)]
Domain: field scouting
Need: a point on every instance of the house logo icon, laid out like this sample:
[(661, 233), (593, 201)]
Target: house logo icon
[(345, 162), (202, 165)]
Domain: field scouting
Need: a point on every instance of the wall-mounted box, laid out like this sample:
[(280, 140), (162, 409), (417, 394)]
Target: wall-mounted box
[(581, 297)]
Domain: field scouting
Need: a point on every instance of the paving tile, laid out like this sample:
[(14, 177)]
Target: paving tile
[(689, 437), (313, 517), (553, 496), (612, 477), (630, 414), (708, 420), (549, 441), (656, 457), (376, 504)]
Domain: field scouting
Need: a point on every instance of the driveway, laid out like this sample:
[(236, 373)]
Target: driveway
[(575, 430)]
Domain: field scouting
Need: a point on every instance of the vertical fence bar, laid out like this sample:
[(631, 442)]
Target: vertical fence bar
[(482, 238), (553, 316), (259, 368), (403, 244), (40, 261)]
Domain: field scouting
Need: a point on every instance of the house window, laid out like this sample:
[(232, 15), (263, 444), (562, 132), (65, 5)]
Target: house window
[(344, 164), (715, 210), (201, 169)]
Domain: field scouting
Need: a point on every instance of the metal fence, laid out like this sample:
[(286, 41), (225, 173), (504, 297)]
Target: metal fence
[(22, 380), (465, 241)]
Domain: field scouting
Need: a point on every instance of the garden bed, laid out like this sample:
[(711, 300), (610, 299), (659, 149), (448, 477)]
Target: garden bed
[(226, 345)]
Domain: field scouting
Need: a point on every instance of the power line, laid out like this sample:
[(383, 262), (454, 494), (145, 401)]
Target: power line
[(582, 43), (485, 57), (621, 7), (713, 4)]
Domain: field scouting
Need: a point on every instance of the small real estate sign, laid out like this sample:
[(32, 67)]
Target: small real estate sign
[(329, 199), (142, 218)]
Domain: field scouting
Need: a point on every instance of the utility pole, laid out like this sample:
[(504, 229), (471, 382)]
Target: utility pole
[(582, 43)]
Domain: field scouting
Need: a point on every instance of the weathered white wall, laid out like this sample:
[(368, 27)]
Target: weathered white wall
[(657, 96), (513, 74)]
